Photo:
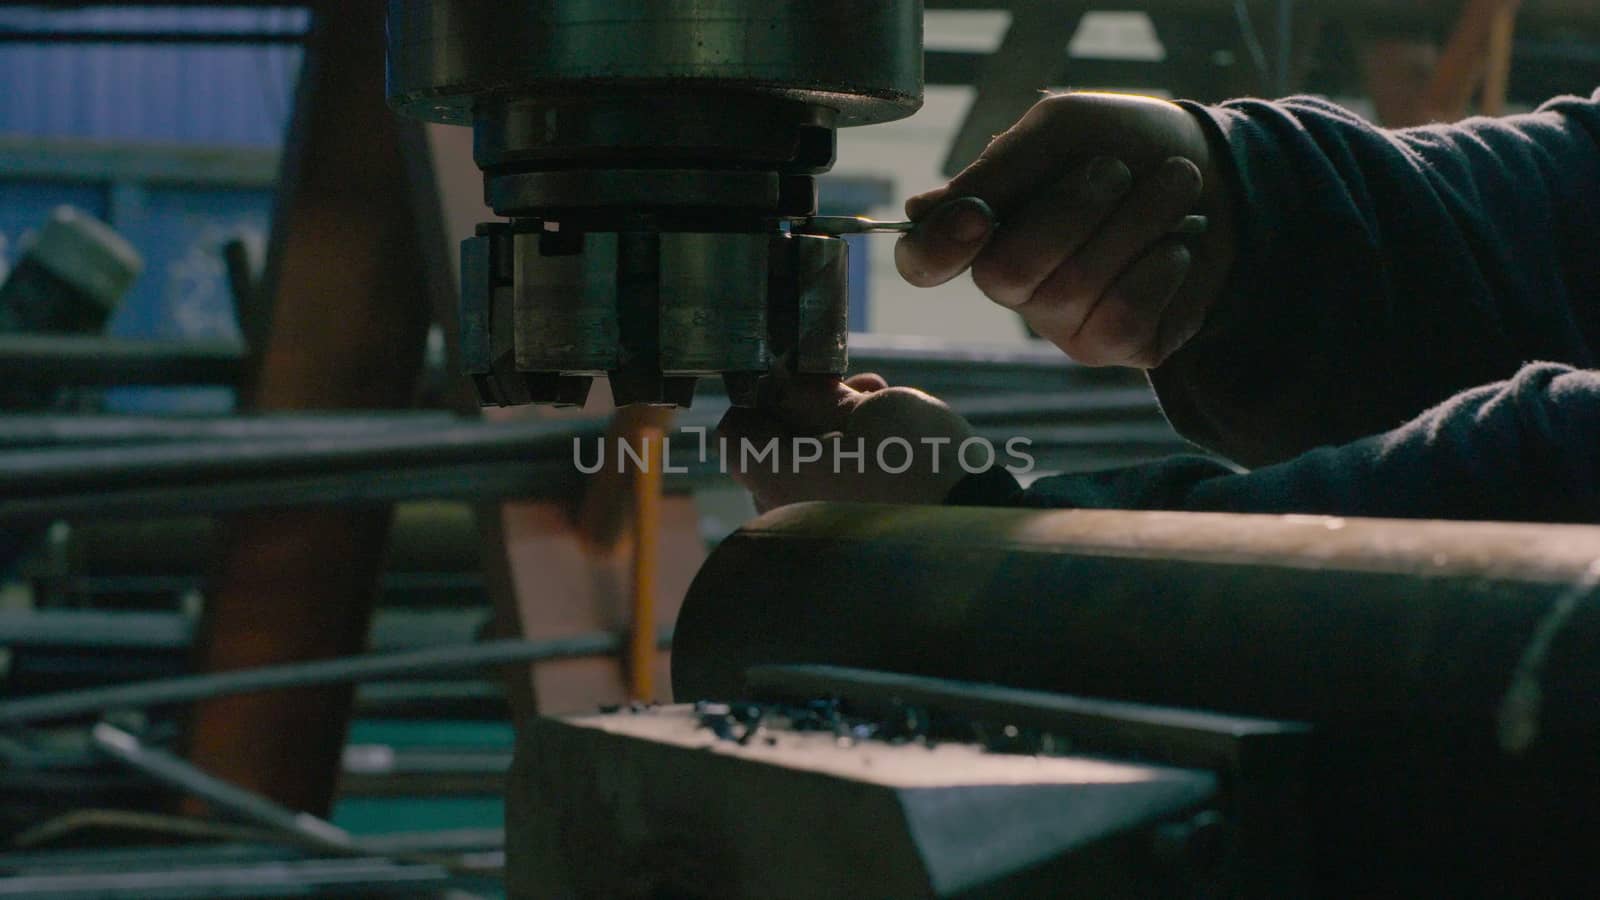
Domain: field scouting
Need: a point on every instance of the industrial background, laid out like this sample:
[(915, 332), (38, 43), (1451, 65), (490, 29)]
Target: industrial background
[(282, 588)]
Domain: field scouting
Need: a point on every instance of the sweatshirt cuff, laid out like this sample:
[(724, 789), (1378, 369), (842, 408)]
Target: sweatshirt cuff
[(1239, 144), (994, 487)]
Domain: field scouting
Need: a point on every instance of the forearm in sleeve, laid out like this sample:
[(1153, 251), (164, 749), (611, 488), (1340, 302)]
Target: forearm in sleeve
[(1527, 449), (1381, 272)]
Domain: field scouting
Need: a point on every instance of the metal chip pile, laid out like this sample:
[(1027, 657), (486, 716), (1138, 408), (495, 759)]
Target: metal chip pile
[(746, 721)]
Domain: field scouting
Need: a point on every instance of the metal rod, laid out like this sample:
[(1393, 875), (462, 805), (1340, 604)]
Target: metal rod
[(372, 667), (26, 430), (646, 558), (67, 360), (249, 38), (246, 805), (839, 226), (26, 473), (271, 878)]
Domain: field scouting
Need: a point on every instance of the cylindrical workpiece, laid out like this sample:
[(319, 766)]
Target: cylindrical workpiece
[(1450, 669)]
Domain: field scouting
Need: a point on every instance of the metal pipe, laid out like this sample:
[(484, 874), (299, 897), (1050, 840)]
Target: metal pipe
[(459, 460), (30, 430), (646, 560), (66, 360), (604, 515), (1567, 14), (31, 473), (165, 38), (1135, 605), (373, 667), (245, 805)]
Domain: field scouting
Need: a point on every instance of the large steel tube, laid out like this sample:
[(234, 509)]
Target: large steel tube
[(1450, 669)]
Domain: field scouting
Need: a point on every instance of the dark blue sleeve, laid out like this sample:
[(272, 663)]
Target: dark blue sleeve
[(1381, 272), (1527, 449)]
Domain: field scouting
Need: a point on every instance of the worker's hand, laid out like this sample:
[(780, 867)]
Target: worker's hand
[(1086, 189), (859, 440)]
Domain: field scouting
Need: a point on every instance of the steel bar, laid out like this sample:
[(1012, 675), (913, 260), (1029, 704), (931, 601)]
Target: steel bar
[(461, 459), (96, 162), (26, 474), (373, 667), (62, 360), (1055, 449), (94, 628), (223, 797), (647, 490), (1194, 582), (366, 877), (25, 430), (373, 486), (164, 38), (1574, 13), (406, 843), (110, 361), (1394, 13), (1171, 736), (394, 629), (1448, 666), (962, 68)]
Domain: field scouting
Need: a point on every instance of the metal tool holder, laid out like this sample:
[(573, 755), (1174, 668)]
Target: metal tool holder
[(649, 156)]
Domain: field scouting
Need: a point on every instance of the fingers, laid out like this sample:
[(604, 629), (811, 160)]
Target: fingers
[(1063, 307), (1124, 328), (776, 466), (866, 382), (806, 406), (1062, 129), (741, 427), (1025, 156), (945, 243), (815, 405), (1053, 227)]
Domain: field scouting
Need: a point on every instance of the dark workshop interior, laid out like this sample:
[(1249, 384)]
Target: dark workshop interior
[(453, 449)]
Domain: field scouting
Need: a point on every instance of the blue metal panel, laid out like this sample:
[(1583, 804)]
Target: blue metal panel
[(24, 205), (214, 95), (860, 280), (184, 291), (180, 232), (235, 95)]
